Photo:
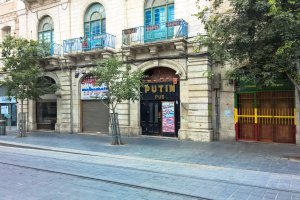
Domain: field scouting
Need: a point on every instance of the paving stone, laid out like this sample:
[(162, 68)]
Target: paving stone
[(266, 168)]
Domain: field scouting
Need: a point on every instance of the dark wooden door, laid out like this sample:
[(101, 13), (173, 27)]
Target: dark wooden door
[(46, 115), (151, 117), (284, 124), (265, 122), (246, 123)]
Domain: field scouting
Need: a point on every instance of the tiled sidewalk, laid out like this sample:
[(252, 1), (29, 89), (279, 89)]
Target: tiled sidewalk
[(237, 155), (211, 182)]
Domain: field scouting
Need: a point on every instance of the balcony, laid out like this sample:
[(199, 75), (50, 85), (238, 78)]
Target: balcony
[(51, 49), (55, 49), (93, 43), (158, 32), (51, 53)]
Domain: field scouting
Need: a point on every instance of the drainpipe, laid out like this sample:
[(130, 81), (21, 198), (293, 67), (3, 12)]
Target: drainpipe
[(217, 87), (71, 101), (217, 108)]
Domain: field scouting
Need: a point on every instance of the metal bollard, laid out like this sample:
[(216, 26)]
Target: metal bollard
[(2, 127)]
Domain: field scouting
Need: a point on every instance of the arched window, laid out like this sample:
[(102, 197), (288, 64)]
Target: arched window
[(94, 20), (158, 11), (45, 30), (6, 31)]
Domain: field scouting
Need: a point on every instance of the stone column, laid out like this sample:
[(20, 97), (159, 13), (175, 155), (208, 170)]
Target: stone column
[(198, 125), (64, 105), (129, 116)]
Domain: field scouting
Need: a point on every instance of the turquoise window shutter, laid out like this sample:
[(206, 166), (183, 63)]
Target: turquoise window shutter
[(170, 12), (157, 14), (148, 17)]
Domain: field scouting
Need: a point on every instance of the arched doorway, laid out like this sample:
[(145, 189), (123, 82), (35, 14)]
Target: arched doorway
[(160, 103), (46, 109)]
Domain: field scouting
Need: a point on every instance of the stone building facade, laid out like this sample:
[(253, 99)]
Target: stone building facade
[(10, 12), (180, 98)]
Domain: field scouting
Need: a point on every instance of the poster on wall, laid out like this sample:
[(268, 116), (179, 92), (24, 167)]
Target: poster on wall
[(4, 110), (89, 90), (168, 117)]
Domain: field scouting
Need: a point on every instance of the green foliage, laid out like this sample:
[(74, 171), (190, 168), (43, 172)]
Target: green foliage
[(24, 78), (122, 83), (259, 38), (209, 74)]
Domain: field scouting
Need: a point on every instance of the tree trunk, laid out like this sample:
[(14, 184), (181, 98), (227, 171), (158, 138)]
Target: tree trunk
[(22, 123), (115, 129), (297, 86)]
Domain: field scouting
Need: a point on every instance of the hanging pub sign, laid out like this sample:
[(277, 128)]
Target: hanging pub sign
[(89, 89), (160, 91), (168, 117)]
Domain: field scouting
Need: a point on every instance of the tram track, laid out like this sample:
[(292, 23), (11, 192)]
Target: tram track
[(119, 183), (42, 149), (136, 169)]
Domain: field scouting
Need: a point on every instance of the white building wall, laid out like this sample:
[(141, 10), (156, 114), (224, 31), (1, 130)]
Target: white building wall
[(197, 96), (68, 18), (120, 14)]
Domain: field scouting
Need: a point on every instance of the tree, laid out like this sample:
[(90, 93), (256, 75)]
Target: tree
[(122, 84), (259, 38), (24, 78)]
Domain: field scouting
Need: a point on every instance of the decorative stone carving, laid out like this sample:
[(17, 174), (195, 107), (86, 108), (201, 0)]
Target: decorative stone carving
[(180, 46), (129, 54), (153, 50)]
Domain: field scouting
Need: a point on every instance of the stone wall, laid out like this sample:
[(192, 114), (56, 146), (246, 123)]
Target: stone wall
[(198, 124), (198, 99)]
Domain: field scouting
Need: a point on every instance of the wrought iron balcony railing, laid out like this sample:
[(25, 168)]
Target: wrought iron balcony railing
[(81, 44), (50, 49), (55, 49), (158, 32)]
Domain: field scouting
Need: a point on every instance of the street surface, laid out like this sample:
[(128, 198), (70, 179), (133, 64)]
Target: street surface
[(31, 171)]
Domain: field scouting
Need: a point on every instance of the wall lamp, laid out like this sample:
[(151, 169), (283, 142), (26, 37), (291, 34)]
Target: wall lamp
[(78, 72)]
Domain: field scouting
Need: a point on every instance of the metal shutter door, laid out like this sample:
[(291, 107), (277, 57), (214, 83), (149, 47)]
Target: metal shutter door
[(95, 116)]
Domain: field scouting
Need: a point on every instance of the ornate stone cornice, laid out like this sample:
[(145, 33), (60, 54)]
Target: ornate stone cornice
[(11, 16), (34, 4)]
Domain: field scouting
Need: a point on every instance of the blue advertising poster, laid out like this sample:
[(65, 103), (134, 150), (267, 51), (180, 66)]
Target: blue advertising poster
[(90, 90)]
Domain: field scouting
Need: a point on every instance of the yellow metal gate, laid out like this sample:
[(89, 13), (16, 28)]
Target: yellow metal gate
[(266, 116)]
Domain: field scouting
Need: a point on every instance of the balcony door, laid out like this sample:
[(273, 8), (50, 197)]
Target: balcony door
[(94, 27), (151, 117), (156, 19), (45, 33)]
